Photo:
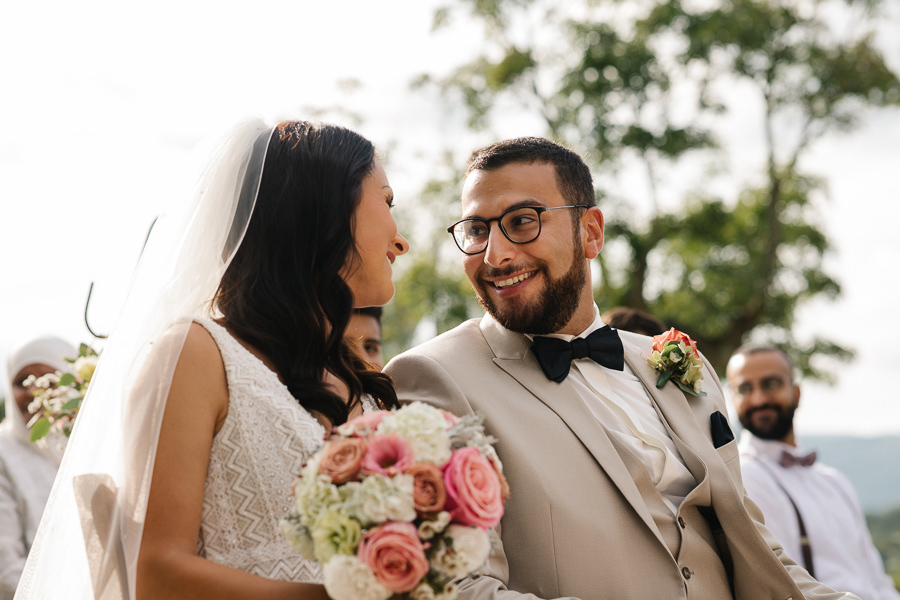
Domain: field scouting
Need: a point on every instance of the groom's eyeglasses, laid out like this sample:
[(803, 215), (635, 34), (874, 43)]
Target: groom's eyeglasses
[(520, 225), (766, 384)]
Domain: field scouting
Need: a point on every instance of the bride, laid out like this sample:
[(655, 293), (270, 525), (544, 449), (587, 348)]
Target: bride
[(231, 360)]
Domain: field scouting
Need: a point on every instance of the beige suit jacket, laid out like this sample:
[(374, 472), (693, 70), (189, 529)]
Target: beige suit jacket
[(577, 524)]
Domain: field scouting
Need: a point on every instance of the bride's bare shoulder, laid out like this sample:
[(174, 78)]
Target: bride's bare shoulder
[(199, 345), (200, 371)]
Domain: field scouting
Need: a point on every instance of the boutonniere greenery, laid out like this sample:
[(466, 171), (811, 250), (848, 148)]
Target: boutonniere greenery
[(676, 359)]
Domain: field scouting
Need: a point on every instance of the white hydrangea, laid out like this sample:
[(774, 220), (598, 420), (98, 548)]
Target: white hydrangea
[(346, 578), (465, 551), (377, 499), (313, 494), (424, 427)]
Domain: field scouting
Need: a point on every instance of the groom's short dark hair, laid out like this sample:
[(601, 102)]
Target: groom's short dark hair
[(572, 175)]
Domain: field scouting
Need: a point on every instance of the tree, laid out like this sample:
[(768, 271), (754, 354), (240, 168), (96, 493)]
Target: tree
[(647, 87)]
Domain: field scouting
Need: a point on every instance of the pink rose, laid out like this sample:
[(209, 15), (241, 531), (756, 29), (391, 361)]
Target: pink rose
[(673, 335), (387, 455), (474, 492), (395, 555), (429, 494), (341, 459), (450, 418)]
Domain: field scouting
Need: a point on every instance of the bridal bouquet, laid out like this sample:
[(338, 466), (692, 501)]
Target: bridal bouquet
[(398, 503), (58, 396)]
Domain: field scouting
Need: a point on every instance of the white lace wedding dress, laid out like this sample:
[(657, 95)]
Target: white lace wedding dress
[(262, 445)]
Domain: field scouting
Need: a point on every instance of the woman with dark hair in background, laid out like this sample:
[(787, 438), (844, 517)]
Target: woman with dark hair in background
[(291, 229)]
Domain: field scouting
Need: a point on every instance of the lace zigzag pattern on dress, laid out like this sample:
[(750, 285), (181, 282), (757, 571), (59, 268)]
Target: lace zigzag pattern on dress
[(264, 442)]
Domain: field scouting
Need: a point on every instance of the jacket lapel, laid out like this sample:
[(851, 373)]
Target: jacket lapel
[(513, 355), (677, 412)]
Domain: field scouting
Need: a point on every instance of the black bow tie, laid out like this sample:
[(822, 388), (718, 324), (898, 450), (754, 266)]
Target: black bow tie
[(555, 355)]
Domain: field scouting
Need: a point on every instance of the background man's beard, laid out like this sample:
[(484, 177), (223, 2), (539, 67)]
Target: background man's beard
[(552, 310), (777, 430)]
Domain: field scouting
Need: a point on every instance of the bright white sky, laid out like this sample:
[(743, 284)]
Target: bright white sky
[(102, 102)]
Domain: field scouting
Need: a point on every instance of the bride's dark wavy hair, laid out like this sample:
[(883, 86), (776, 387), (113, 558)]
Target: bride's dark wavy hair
[(283, 292)]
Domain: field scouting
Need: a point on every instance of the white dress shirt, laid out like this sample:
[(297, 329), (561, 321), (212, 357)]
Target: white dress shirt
[(625, 409), (842, 551)]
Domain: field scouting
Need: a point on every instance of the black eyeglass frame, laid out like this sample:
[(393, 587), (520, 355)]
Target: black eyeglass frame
[(537, 209)]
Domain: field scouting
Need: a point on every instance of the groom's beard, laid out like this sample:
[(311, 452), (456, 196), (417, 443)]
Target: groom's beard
[(554, 309), (776, 430)]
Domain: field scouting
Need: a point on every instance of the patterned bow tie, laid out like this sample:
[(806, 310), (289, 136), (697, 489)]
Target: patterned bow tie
[(789, 460), (555, 355)]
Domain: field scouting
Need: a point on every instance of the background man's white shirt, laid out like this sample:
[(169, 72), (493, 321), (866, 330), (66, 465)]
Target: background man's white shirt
[(843, 554)]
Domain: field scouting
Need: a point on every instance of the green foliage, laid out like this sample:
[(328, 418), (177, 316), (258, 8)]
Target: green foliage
[(885, 530), (431, 289), (446, 299), (642, 85)]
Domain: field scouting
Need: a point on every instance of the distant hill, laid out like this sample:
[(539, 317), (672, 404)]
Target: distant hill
[(885, 530), (871, 464)]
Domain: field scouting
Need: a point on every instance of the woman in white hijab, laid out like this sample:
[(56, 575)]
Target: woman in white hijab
[(26, 469)]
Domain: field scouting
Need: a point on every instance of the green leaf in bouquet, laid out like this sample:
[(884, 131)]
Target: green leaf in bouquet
[(67, 379), (72, 404), (40, 428)]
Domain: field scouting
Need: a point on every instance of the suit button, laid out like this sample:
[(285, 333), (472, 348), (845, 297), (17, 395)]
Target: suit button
[(685, 572), (681, 522)]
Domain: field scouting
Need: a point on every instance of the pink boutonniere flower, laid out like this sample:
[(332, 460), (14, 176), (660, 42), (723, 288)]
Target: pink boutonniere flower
[(676, 358)]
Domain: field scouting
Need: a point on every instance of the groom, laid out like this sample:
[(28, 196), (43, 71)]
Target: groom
[(619, 489)]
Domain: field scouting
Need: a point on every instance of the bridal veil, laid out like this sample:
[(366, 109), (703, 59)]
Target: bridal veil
[(89, 537)]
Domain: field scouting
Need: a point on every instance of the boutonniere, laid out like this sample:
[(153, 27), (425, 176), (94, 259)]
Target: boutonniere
[(676, 359)]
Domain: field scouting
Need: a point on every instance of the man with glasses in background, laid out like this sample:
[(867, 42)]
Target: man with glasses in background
[(811, 508), (619, 489)]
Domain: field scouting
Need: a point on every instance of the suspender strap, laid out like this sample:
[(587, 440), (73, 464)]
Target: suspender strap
[(805, 547)]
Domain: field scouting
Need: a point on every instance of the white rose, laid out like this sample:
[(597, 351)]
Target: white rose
[(346, 578), (467, 550)]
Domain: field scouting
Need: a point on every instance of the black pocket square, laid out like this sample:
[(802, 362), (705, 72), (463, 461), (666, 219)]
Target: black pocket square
[(721, 431)]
